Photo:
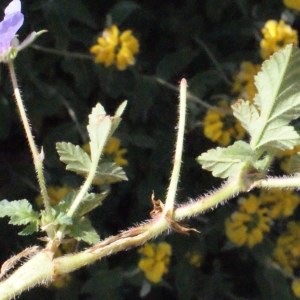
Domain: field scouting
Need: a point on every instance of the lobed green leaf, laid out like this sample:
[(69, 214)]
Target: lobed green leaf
[(20, 212), (109, 173), (82, 230), (62, 219), (227, 162), (76, 159), (278, 99), (90, 202), (246, 113)]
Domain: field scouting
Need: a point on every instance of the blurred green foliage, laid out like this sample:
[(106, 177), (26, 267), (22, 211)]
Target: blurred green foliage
[(203, 41)]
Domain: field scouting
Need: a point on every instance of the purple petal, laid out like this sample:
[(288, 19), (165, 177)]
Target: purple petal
[(13, 20), (13, 7)]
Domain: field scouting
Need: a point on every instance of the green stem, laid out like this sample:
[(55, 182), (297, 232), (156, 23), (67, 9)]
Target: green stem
[(63, 53), (202, 204), (85, 187), (169, 205), (282, 183), (37, 157)]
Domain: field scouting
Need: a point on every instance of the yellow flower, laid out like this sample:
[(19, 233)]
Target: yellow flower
[(286, 159), (56, 193), (155, 260), (287, 251), (246, 226), (280, 203), (294, 4), (116, 48), (243, 84), (221, 128), (113, 150), (296, 287), (276, 35), (195, 258)]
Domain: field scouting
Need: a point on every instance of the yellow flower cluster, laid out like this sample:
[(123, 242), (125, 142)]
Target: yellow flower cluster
[(296, 287), (286, 159), (294, 4), (280, 203), (247, 226), (112, 149), (155, 260), (287, 251), (276, 35), (56, 193), (194, 258), (243, 84), (222, 128), (116, 48)]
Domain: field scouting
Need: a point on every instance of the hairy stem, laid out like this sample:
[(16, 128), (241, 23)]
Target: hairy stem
[(37, 157), (169, 204)]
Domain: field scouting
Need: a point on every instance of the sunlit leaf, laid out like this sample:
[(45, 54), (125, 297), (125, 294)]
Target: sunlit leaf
[(76, 159), (98, 129), (246, 113), (20, 212), (278, 99), (226, 162)]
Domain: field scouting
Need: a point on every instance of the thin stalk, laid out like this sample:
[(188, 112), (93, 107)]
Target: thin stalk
[(214, 61), (281, 182), (169, 205), (202, 204), (37, 157), (62, 53)]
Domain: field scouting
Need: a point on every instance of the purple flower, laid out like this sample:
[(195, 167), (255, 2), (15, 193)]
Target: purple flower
[(12, 22)]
